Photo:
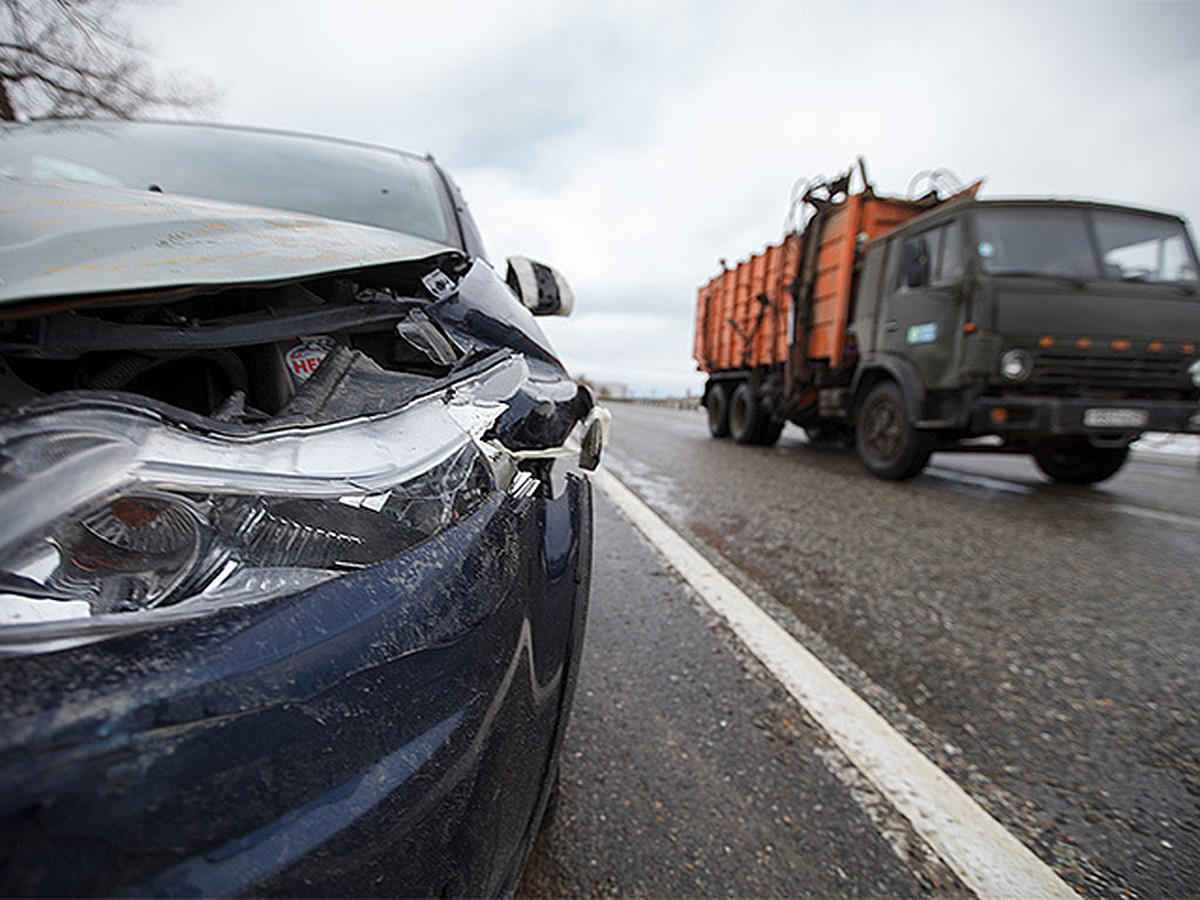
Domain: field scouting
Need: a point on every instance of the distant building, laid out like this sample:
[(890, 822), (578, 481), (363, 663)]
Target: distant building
[(612, 391)]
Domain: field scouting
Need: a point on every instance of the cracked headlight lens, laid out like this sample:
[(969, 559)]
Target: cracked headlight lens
[(144, 548), (112, 510)]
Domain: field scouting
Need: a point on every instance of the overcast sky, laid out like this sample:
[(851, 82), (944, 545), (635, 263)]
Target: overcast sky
[(633, 144)]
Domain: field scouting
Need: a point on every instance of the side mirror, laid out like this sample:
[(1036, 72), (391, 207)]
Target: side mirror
[(539, 287)]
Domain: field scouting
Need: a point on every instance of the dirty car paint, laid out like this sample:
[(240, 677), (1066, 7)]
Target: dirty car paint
[(62, 240), (352, 739)]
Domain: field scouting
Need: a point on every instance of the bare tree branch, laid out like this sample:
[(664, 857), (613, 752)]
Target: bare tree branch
[(76, 59)]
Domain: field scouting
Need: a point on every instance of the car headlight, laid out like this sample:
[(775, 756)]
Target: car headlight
[(1016, 365), (1194, 372), (110, 509)]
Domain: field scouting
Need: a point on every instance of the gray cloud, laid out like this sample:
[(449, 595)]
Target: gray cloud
[(633, 144)]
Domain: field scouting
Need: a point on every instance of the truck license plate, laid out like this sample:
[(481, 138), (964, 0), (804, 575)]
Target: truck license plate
[(1115, 417)]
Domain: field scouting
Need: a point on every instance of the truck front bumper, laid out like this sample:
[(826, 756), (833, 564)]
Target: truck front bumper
[(1101, 418)]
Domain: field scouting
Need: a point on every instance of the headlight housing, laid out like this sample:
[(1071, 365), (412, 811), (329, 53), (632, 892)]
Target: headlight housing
[(1194, 372), (111, 509), (1016, 365)]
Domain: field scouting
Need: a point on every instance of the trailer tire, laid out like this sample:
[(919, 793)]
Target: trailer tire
[(748, 421), (716, 404), (1078, 462), (888, 444)]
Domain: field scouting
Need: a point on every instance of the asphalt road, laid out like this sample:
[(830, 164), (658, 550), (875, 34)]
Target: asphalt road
[(1037, 642)]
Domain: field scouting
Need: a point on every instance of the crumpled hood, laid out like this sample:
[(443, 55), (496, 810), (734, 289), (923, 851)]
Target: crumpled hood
[(61, 240)]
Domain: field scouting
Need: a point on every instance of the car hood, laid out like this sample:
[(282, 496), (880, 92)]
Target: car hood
[(71, 240)]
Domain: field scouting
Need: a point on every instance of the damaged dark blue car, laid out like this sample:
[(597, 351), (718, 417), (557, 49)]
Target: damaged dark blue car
[(294, 556)]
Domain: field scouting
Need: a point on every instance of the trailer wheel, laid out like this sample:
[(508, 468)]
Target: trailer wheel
[(749, 422), (745, 417), (1078, 462), (887, 443), (716, 404)]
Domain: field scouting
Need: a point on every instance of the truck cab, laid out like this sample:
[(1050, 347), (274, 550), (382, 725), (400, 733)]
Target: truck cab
[(1062, 329)]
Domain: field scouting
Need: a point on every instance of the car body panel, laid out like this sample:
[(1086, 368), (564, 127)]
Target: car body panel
[(78, 239)]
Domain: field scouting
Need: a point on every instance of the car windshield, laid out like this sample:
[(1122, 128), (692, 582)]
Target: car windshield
[(327, 178), (1076, 242)]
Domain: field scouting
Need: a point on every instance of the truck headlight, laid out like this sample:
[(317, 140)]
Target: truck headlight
[(1016, 365)]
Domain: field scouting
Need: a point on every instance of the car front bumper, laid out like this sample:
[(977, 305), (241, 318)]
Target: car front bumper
[(391, 732)]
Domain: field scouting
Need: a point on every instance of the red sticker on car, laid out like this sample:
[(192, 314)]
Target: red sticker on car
[(303, 359)]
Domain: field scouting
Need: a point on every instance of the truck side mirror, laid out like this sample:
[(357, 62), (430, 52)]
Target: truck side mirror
[(539, 287)]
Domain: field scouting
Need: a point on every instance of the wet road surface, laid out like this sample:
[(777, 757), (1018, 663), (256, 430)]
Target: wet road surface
[(1038, 642), (687, 771)]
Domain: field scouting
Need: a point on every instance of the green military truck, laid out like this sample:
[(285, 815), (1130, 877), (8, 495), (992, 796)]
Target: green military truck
[(1061, 329)]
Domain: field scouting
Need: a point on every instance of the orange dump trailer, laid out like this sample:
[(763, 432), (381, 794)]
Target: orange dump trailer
[(745, 315)]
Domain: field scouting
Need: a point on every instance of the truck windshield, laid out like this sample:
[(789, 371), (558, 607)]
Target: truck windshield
[(1076, 242)]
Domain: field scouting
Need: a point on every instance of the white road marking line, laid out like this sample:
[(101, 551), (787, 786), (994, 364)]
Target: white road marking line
[(988, 859)]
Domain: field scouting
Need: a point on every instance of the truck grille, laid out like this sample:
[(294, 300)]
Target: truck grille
[(1071, 372)]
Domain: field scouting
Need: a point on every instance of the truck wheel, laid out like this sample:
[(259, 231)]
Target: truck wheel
[(747, 420), (1078, 462), (887, 443), (716, 404)]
